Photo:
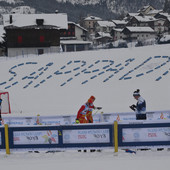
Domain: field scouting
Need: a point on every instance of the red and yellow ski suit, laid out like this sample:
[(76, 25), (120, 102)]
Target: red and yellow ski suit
[(84, 114)]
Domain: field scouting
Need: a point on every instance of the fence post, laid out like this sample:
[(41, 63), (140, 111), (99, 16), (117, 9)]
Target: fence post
[(7, 139), (116, 136)]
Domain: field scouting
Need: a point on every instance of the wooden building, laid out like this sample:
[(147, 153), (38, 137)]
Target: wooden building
[(33, 33)]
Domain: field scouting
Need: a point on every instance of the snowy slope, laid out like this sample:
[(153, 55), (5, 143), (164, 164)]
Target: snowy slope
[(57, 84), (49, 98)]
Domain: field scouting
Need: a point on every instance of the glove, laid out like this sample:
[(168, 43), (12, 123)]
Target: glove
[(77, 121), (133, 107), (98, 108)]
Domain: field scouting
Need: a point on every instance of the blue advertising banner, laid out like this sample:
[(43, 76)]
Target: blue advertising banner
[(144, 134), (75, 136), (2, 138)]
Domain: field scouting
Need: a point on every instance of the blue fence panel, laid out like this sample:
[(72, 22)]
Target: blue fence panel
[(94, 130), (2, 138), (152, 130), (91, 136), (27, 134)]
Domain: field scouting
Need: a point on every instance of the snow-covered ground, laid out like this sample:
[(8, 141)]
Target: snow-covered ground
[(72, 160), (64, 93), (51, 85)]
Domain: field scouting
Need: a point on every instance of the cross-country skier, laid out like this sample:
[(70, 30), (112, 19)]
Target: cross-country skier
[(140, 107), (84, 114)]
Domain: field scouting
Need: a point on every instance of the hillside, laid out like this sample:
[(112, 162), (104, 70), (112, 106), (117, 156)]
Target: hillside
[(107, 9), (60, 83)]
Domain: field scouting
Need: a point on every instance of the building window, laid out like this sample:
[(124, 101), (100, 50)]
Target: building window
[(70, 47), (73, 33), (80, 47), (41, 38), (19, 39)]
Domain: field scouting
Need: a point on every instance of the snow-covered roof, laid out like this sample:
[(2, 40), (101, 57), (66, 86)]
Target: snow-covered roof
[(118, 29), (168, 18), (144, 18), (103, 34), (93, 18), (106, 23), (22, 20), (164, 14), (165, 38), (117, 22), (155, 11), (70, 22), (133, 14), (140, 29), (144, 8), (74, 42)]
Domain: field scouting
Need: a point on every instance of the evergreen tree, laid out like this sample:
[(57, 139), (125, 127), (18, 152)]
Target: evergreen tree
[(167, 6)]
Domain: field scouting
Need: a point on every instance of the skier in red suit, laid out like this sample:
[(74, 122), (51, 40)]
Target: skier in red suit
[(84, 114)]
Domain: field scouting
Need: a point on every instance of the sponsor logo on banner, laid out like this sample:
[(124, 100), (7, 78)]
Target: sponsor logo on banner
[(162, 116), (136, 135), (152, 135), (146, 134), (100, 136), (50, 137), (35, 137), (167, 133), (118, 118), (86, 136), (38, 120)]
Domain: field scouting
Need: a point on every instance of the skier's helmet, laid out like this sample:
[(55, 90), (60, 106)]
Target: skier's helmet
[(90, 101), (93, 98)]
